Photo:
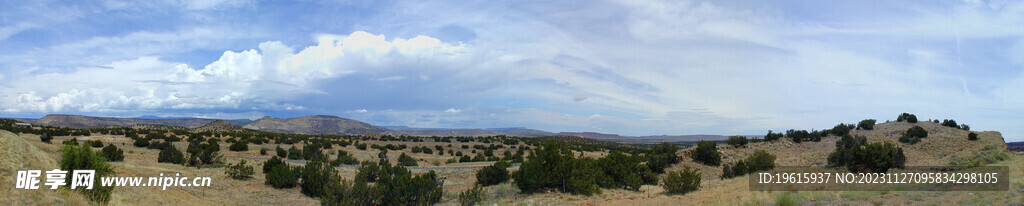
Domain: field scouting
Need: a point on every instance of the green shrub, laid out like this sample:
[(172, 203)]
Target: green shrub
[(965, 127), (368, 172), (310, 151), (395, 186), (282, 176), (281, 152), (661, 156), (857, 156), (316, 175), (908, 118), (913, 135), (682, 182), (772, 136), (171, 155), (72, 141), (141, 142), (972, 136), (83, 158), (345, 159), (626, 172), (492, 175), (95, 143), (294, 154), (707, 153), (867, 124), (554, 167), (239, 146), (406, 160), (239, 171), (112, 153), (271, 163), (737, 141), (842, 129), (950, 123), (471, 196), (760, 161)]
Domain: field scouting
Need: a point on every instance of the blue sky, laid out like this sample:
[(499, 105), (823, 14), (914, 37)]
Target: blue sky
[(626, 67)]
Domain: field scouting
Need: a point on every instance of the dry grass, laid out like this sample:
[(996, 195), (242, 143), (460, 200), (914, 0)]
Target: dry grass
[(943, 143), (19, 154)]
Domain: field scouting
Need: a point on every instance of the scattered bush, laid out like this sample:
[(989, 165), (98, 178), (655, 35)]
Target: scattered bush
[(112, 153), (907, 117), (772, 136), (406, 160), (661, 156), (239, 146), (626, 172), (141, 142), (263, 151), (202, 153), (294, 154), (310, 151), (344, 159), (492, 175), (842, 129), (281, 152), (737, 141), (171, 155), (867, 124), (972, 136), (282, 176), (554, 167), (471, 196), (82, 158), (94, 143), (682, 182), (395, 186), (239, 171), (913, 135), (950, 123), (316, 176), (965, 127), (271, 163), (759, 161), (857, 156), (72, 141), (707, 153)]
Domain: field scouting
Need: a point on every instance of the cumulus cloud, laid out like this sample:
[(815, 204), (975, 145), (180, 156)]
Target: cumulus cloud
[(250, 79)]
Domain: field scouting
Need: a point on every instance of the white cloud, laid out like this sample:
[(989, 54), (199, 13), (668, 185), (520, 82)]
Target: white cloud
[(256, 79), (453, 110)]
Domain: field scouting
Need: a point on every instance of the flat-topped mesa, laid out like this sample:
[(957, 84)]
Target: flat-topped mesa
[(319, 124)]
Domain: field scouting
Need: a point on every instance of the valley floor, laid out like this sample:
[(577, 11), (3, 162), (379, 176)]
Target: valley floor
[(25, 151)]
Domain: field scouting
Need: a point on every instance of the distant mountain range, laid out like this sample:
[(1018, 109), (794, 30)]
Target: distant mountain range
[(324, 124), (85, 122)]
